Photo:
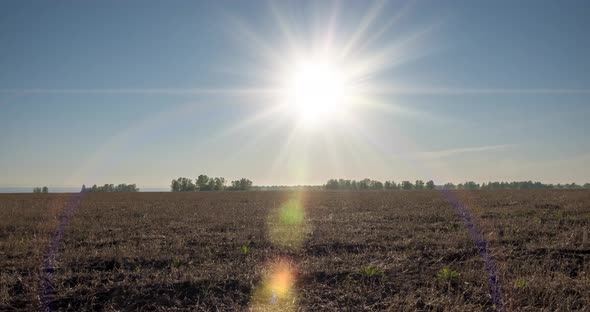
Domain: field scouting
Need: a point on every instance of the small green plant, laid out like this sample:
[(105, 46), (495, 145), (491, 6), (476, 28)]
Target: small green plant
[(521, 283), (245, 250), (138, 268), (176, 263), (447, 275), (560, 214), (372, 271)]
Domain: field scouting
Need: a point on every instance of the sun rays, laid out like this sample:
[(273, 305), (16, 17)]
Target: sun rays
[(322, 83), (317, 79), (313, 88)]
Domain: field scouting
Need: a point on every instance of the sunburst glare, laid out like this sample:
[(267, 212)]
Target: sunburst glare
[(316, 91), (322, 76)]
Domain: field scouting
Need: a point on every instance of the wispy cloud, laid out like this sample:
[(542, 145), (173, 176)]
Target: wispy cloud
[(463, 150)]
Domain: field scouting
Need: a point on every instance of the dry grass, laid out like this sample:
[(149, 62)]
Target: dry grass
[(348, 251)]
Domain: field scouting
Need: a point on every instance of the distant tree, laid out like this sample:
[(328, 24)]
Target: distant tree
[(108, 188), (202, 183), (389, 185), (126, 188), (245, 184), (186, 185), (219, 184), (332, 184), (430, 185), (205, 183), (364, 184), (241, 185), (407, 185), (174, 186), (45, 190), (449, 186), (37, 190), (395, 186), (344, 184), (574, 186), (377, 185), (419, 185), (368, 184), (211, 185)]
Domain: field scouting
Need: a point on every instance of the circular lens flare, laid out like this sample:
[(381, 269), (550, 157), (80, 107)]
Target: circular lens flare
[(287, 227), (276, 293)]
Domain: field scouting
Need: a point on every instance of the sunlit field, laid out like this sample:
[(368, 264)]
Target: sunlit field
[(296, 251), (295, 155)]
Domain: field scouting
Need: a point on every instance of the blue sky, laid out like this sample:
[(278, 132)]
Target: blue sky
[(146, 91)]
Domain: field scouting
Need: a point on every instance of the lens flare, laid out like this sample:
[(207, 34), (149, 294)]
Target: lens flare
[(276, 293), (287, 226)]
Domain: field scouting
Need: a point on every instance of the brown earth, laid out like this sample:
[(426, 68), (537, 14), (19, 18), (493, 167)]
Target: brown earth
[(312, 251)]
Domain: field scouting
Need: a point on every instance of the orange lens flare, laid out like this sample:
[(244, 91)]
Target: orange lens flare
[(281, 280), (276, 293)]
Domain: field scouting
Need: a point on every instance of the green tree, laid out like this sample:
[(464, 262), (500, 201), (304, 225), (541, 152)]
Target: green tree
[(219, 184), (181, 185), (174, 186), (332, 184), (211, 184), (449, 186), (388, 185), (241, 185), (377, 185), (430, 185), (407, 185), (364, 184), (419, 185), (203, 183)]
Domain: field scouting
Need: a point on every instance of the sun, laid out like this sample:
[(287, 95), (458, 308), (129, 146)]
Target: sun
[(316, 91)]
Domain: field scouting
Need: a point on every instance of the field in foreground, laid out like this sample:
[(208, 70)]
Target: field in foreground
[(310, 251)]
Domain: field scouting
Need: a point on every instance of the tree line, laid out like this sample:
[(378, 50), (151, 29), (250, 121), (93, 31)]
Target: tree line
[(369, 184), (514, 185), (38, 190), (206, 183), (109, 188)]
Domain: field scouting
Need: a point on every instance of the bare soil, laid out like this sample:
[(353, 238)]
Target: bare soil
[(334, 250)]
